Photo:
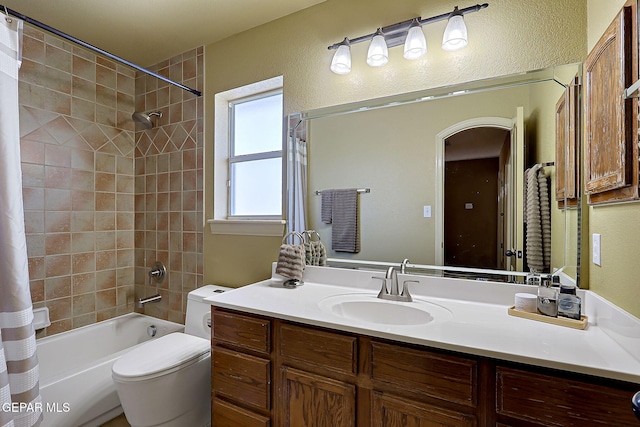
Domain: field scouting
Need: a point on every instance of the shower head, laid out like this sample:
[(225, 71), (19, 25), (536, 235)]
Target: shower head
[(144, 119)]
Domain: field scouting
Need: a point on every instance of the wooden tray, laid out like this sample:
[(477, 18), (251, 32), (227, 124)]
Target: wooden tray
[(561, 321)]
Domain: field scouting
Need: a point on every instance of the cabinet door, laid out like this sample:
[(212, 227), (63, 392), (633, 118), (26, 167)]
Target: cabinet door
[(311, 400), (567, 122), (388, 411), (552, 401), (608, 128)]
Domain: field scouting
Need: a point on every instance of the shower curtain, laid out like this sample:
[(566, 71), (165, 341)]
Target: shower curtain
[(20, 401), (297, 205)]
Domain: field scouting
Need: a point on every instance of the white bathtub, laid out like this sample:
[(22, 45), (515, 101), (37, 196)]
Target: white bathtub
[(75, 368)]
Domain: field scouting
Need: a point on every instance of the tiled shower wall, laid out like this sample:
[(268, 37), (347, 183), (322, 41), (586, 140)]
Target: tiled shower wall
[(168, 183), (83, 201)]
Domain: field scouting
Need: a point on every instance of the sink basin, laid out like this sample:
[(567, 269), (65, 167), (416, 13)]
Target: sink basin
[(369, 308)]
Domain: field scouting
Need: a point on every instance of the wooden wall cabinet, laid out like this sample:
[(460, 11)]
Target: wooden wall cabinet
[(611, 120), (567, 146), (268, 372)]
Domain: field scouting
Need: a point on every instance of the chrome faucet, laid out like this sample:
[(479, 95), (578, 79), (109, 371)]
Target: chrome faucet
[(392, 293), (157, 273), (142, 301)]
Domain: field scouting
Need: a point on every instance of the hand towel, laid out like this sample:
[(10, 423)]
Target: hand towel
[(291, 261), (326, 206), (345, 233)]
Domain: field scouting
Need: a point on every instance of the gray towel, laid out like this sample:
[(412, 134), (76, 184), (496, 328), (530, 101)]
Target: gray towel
[(326, 207), (291, 261), (345, 234), (538, 220)]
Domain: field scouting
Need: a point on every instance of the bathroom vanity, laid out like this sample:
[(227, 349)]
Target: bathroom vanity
[(289, 357)]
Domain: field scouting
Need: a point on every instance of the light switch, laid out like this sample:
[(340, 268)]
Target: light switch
[(596, 249), (468, 206), (427, 211)]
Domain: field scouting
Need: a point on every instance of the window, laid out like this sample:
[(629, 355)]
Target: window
[(248, 160), (255, 157)]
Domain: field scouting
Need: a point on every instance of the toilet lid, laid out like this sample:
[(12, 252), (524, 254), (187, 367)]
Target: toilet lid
[(159, 356)]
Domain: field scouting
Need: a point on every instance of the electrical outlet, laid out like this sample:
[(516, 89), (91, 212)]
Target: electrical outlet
[(427, 211), (596, 249)]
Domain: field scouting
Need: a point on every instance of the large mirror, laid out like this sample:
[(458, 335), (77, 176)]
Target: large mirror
[(442, 175)]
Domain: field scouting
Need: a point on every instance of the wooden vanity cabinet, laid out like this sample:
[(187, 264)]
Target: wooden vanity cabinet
[(269, 372), (318, 375), (241, 370), (611, 121), (525, 398)]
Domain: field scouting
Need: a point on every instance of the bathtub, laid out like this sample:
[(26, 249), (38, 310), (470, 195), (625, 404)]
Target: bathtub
[(75, 368)]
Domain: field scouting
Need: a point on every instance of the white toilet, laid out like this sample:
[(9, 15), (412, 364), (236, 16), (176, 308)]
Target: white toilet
[(167, 381)]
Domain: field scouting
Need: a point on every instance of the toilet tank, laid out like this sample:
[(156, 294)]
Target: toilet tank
[(199, 311)]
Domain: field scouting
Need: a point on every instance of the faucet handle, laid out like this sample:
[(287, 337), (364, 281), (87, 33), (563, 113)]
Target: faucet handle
[(383, 290), (405, 290)]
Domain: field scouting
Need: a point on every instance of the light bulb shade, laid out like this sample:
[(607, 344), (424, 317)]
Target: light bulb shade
[(378, 53), (415, 45), (341, 62), (455, 35)]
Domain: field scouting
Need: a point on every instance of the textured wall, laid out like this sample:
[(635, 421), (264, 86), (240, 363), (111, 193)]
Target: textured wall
[(508, 37), (617, 278)]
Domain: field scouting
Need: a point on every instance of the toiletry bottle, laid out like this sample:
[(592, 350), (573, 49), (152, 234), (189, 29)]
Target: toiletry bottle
[(568, 302), (547, 297)]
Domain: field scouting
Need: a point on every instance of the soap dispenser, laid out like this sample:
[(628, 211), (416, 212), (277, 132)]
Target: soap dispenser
[(547, 297)]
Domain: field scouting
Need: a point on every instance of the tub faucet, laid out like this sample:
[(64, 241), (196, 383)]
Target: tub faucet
[(142, 301), (393, 294)]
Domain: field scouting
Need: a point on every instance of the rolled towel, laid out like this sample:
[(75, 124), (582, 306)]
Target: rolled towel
[(291, 261)]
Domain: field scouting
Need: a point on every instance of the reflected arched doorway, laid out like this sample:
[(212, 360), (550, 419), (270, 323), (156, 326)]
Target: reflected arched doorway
[(461, 147), (475, 162)]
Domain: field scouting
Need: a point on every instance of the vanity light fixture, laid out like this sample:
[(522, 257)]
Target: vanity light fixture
[(341, 63), (378, 53), (408, 33), (455, 35)]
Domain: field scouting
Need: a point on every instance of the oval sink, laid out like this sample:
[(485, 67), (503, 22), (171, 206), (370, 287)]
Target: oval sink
[(369, 308)]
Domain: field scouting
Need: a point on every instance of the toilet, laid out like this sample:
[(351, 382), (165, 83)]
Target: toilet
[(167, 381)]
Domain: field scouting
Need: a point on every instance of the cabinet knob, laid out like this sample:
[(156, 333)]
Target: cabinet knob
[(635, 403)]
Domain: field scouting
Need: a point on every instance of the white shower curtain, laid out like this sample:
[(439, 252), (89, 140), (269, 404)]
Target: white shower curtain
[(20, 401), (297, 190)]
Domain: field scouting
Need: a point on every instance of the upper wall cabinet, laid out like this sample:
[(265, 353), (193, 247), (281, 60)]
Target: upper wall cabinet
[(611, 120), (567, 143)]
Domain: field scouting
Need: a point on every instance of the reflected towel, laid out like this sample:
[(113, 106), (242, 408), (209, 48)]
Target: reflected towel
[(538, 220), (344, 233), (326, 207), (291, 261)]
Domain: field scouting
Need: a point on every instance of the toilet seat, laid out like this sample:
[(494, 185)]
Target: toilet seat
[(160, 356)]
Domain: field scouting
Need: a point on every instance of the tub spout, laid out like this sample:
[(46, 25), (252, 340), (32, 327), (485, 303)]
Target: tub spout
[(142, 301)]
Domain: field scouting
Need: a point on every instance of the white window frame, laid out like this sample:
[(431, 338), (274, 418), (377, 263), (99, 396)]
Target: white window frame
[(221, 222), (263, 155)]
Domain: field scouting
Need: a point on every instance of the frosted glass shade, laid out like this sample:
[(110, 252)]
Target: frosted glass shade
[(415, 45), (378, 53), (341, 62), (455, 35)]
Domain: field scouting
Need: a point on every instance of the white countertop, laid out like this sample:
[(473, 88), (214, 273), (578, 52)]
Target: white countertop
[(480, 325)]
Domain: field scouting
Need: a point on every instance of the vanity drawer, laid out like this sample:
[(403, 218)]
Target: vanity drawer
[(414, 371), (245, 379), (312, 348), (239, 330), (556, 401), (226, 414)]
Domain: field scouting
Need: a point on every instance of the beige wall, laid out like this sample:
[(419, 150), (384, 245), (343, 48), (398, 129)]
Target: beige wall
[(504, 38), (617, 278)]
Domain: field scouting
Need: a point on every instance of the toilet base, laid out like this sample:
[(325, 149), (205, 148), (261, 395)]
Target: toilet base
[(177, 399)]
